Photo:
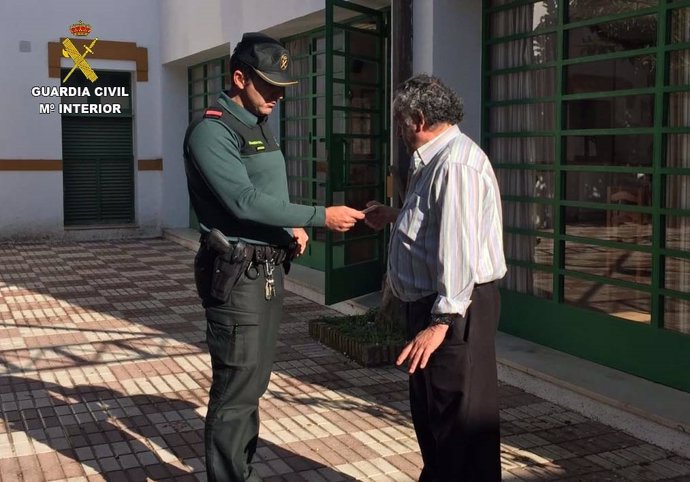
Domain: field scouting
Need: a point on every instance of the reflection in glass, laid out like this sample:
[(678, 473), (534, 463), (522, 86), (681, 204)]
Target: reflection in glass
[(532, 249), (678, 233), (619, 150), (619, 35), (607, 225), (521, 150), (523, 85), (678, 192), (678, 150), (677, 314), (582, 10), (677, 274), (537, 15), (539, 49), (613, 74), (524, 215), (620, 264), (620, 302), (609, 187), (679, 70), (678, 104), (525, 117), (528, 281), (615, 112), (680, 19), (525, 182)]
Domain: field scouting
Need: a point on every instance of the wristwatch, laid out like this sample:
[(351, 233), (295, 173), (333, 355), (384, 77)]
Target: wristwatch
[(443, 319)]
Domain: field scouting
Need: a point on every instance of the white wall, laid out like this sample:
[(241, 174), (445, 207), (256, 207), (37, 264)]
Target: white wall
[(26, 134), (447, 42)]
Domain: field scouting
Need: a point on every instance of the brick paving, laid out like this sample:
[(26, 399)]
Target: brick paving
[(104, 376)]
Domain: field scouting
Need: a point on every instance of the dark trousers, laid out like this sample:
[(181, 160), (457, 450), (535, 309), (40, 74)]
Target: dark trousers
[(241, 335), (454, 399)]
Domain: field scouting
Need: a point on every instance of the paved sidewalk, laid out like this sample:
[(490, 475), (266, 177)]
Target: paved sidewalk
[(104, 374)]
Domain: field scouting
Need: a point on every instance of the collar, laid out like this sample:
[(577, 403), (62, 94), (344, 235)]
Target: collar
[(242, 114), (426, 153)]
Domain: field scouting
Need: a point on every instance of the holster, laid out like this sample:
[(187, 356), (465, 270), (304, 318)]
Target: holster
[(217, 273)]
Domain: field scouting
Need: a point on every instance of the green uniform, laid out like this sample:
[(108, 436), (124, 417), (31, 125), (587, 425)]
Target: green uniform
[(238, 184)]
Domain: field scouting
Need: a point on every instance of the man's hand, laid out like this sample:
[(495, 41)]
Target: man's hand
[(342, 218), (378, 215), (302, 238), (422, 347)]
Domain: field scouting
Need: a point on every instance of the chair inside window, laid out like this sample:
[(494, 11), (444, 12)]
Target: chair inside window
[(637, 196)]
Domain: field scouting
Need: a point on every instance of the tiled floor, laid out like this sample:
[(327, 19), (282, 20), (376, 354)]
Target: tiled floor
[(104, 373)]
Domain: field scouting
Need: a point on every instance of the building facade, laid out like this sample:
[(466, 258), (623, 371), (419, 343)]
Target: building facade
[(582, 105)]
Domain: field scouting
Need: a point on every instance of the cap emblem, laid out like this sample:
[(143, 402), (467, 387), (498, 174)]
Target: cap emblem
[(283, 62)]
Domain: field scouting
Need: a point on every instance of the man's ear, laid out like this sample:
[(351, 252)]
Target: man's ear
[(419, 121), (239, 80)]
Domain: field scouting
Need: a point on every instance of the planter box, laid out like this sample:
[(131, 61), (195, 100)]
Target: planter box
[(366, 354)]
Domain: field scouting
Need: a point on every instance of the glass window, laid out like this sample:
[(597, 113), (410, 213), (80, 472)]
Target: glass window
[(679, 68), (522, 150), (609, 187), (677, 314), (523, 85), (539, 49), (529, 281), (522, 117), (528, 122), (620, 150), (678, 233), (583, 10), (525, 182), (526, 215), (614, 74), (530, 17), (678, 150), (608, 225), (678, 192), (619, 35), (608, 262), (618, 301), (614, 112), (679, 26)]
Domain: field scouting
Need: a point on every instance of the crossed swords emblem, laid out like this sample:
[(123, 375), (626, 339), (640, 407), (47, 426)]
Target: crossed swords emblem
[(80, 62)]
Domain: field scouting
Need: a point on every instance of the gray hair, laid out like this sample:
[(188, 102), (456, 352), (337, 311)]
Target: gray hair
[(427, 95)]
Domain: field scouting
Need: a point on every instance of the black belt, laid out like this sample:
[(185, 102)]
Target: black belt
[(258, 253)]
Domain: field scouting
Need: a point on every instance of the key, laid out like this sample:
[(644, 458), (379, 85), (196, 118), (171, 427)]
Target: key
[(270, 290)]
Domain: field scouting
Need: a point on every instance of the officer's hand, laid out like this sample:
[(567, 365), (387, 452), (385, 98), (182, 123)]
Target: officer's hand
[(302, 238), (422, 347), (342, 218), (378, 215)]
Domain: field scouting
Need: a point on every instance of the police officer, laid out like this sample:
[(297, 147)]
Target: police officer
[(238, 187)]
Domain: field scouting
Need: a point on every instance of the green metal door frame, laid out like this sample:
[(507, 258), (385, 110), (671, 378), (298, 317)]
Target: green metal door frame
[(346, 279)]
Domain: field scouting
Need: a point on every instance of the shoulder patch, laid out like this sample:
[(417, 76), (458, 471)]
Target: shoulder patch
[(213, 114)]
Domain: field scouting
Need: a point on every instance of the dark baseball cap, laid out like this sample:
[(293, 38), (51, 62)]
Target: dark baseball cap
[(269, 59)]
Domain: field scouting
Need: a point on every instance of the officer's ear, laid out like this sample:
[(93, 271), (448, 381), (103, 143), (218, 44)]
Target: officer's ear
[(240, 79)]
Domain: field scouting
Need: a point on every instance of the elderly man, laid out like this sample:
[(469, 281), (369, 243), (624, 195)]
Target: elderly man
[(445, 254)]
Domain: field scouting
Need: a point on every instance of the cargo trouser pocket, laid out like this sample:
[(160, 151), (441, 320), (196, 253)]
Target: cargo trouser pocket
[(232, 345)]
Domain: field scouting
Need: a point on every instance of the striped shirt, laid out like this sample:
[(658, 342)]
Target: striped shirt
[(448, 235)]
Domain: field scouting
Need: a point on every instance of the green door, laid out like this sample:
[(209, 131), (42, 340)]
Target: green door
[(355, 141)]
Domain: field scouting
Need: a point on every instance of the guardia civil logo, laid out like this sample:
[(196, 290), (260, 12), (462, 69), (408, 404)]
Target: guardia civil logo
[(79, 29)]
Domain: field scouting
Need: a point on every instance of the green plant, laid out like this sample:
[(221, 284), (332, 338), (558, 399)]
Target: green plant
[(364, 328)]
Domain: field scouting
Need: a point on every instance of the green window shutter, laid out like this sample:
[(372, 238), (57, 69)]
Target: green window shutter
[(98, 170)]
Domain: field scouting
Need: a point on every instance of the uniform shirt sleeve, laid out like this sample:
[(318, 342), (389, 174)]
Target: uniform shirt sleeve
[(458, 194), (217, 153)]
